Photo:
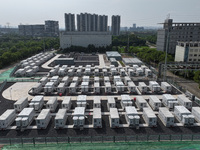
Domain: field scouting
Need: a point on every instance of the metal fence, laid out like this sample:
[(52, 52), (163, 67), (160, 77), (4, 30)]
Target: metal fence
[(44, 141)]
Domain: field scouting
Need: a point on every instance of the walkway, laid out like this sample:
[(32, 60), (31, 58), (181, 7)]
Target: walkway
[(45, 65), (101, 61)]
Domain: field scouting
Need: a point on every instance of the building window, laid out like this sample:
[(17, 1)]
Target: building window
[(194, 59), (190, 59), (191, 50), (198, 59), (191, 55), (196, 50), (195, 55)]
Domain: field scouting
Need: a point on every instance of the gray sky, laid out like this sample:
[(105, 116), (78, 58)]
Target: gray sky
[(141, 12)]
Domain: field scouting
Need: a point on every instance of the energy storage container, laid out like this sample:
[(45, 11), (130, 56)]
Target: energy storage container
[(154, 102), (84, 87), (79, 117), (127, 79), (61, 88), (62, 72), (184, 115), (149, 117), (96, 79), (114, 118), (166, 87), (96, 102), (142, 87), (125, 101), (75, 80), (37, 88), (120, 86), (122, 72), (37, 102), (111, 102), (72, 88), (7, 118), (106, 79), (108, 87), (43, 81), (52, 72), (141, 103), (35, 69), (113, 71), (87, 71), (25, 117), (86, 78), (20, 104), (61, 118), (70, 72), (154, 86), (96, 72), (132, 116), (169, 101), (79, 72), (117, 79), (105, 72), (139, 72), (55, 79), (196, 113), (27, 68), (166, 117), (66, 103), (29, 73), (148, 73), (49, 88), (131, 73), (52, 104), (43, 119), (183, 100), (20, 73), (143, 67), (97, 120), (96, 87), (131, 87), (81, 101)]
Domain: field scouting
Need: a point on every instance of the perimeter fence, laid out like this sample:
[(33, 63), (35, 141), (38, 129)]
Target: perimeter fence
[(45, 141)]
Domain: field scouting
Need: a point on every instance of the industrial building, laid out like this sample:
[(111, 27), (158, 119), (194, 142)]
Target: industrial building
[(188, 31), (132, 61), (187, 52), (114, 54), (98, 39)]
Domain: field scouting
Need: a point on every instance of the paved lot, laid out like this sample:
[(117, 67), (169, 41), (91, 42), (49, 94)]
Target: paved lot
[(101, 61), (45, 65)]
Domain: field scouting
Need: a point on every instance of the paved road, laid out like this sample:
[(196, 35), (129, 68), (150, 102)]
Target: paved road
[(45, 65), (101, 61)]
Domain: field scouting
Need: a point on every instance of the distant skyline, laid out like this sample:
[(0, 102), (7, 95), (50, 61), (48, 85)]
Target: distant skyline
[(141, 12)]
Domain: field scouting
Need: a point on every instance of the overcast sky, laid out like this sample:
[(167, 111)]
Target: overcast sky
[(141, 12)]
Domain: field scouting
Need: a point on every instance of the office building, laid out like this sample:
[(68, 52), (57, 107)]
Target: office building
[(51, 28), (31, 30), (187, 52), (98, 39), (115, 25), (103, 23), (177, 32), (69, 22)]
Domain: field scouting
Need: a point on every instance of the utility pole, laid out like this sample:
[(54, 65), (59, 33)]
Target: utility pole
[(128, 42)]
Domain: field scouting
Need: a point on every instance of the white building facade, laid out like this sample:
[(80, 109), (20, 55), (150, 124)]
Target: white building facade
[(187, 52), (98, 39)]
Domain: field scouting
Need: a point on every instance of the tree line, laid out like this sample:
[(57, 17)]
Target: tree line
[(15, 48)]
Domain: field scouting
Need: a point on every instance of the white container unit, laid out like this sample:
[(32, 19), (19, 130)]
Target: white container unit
[(72, 88), (141, 103), (154, 102), (37, 88), (25, 117), (49, 88), (106, 79), (142, 87), (139, 72), (52, 104), (35, 69), (96, 102), (86, 78), (79, 72), (66, 103), (132, 116), (111, 102), (79, 117), (122, 72), (20, 104), (61, 88), (65, 80), (131, 87), (148, 73), (20, 73), (114, 118), (96, 72), (127, 79), (166, 87), (108, 87), (183, 100), (149, 117), (183, 115), (196, 113), (7, 118), (131, 73), (84, 87), (81, 101), (97, 118), (87, 71), (113, 71), (55, 79), (75, 80), (29, 73), (52, 72), (105, 72), (43, 119), (37, 102), (169, 101), (43, 81), (61, 72), (96, 79), (60, 119), (154, 86), (125, 101), (70, 72), (120, 86), (96, 87), (166, 117)]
